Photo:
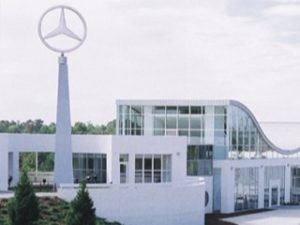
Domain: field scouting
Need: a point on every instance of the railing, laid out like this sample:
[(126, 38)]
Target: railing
[(39, 177)]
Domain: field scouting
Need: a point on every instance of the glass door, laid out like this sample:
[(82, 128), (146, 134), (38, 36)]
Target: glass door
[(274, 196), (123, 168)]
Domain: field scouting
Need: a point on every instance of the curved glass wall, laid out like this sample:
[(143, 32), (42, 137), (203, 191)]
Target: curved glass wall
[(245, 140)]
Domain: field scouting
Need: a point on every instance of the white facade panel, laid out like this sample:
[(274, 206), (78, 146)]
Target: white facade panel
[(147, 204)]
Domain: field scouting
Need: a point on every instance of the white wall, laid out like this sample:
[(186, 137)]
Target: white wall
[(147, 204), (132, 145), (209, 189)]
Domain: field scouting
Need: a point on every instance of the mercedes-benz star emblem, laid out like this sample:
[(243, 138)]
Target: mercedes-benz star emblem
[(62, 29)]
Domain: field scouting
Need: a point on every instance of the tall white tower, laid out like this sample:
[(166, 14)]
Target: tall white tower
[(63, 164)]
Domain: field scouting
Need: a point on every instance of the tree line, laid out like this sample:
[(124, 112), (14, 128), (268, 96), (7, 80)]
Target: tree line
[(39, 127)]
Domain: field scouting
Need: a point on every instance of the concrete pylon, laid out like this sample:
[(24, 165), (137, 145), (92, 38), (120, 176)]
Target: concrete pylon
[(63, 165)]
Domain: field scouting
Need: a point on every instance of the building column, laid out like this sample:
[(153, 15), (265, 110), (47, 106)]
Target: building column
[(131, 169), (261, 186), (148, 121), (227, 195), (287, 186), (63, 166), (4, 170), (16, 169)]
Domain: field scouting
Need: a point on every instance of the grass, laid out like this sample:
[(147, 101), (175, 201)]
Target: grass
[(53, 212)]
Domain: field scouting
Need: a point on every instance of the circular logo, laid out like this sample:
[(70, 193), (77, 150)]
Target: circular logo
[(65, 34)]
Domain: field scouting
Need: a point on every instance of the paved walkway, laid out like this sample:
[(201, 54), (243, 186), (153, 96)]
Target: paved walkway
[(39, 194), (282, 216)]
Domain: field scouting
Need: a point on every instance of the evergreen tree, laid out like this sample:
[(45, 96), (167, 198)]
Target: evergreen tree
[(82, 211), (23, 208)]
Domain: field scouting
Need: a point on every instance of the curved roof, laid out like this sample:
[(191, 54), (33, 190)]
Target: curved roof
[(286, 149), (283, 134)]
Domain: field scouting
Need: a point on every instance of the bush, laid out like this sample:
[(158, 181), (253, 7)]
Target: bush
[(82, 211), (23, 208)]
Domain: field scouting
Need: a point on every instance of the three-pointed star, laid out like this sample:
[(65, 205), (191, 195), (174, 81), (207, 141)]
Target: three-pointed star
[(62, 29)]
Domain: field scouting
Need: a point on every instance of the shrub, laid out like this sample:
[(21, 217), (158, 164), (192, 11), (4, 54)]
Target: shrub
[(23, 208), (82, 211)]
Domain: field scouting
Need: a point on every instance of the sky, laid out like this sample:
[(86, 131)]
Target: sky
[(246, 50)]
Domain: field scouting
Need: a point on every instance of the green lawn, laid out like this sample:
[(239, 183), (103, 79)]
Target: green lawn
[(53, 212)]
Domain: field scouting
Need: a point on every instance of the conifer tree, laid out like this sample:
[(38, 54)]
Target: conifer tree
[(82, 211), (23, 208)]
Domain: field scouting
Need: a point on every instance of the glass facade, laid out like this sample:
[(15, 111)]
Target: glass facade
[(202, 125), (246, 188), (273, 176), (89, 167), (199, 160), (131, 120), (245, 140), (228, 128), (153, 168), (295, 185)]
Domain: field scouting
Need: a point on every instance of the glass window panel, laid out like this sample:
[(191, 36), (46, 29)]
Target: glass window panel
[(167, 176), (195, 133), (157, 162), (220, 110), (195, 109), (171, 122), (171, 109), (159, 123), (136, 109), (138, 176), (157, 176), (195, 123), (159, 132), (138, 162), (148, 162), (183, 122), (220, 122), (167, 162), (184, 109), (27, 161), (159, 109), (183, 132), (46, 161), (147, 176)]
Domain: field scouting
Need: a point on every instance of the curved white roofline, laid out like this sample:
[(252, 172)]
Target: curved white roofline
[(274, 147)]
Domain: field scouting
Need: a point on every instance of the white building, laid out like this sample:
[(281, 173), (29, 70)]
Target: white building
[(136, 180), (153, 170), (242, 168)]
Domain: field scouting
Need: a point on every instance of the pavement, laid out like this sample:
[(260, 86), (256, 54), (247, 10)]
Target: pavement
[(281, 216), (5, 195)]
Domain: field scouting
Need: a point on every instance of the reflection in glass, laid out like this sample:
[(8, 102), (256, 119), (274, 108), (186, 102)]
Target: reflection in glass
[(246, 188)]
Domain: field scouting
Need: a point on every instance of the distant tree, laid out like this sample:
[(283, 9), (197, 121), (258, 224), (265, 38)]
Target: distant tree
[(82, 211), (23, 208), (79, 128), (111, 127), (38, 126)]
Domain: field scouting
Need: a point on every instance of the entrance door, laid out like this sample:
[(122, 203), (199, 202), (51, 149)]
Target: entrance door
[(274, 196)]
